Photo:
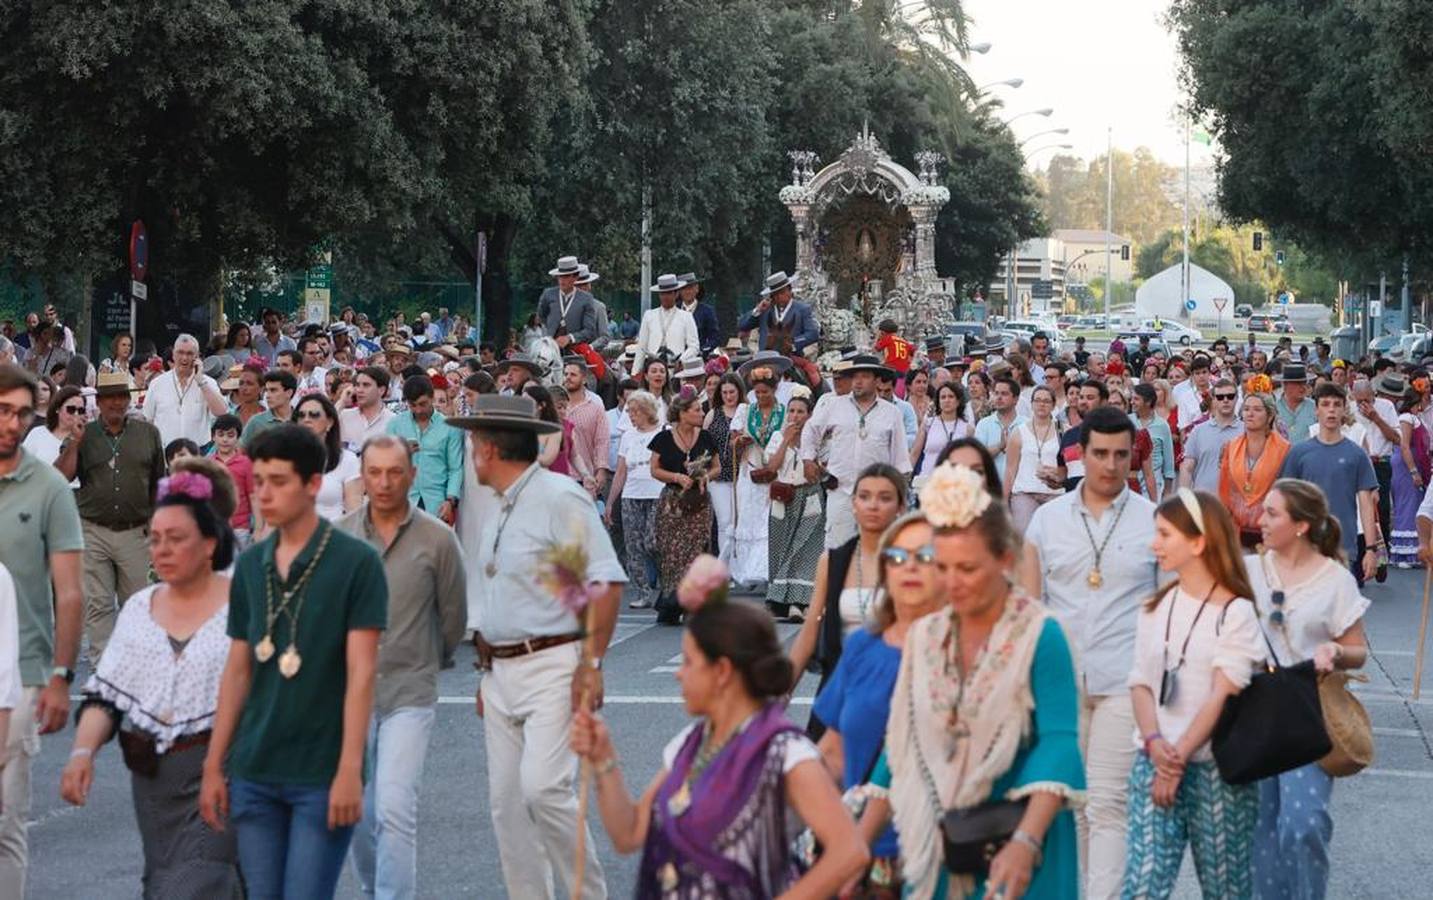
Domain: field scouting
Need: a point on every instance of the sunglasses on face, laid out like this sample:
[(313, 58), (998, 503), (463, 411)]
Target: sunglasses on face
[(1224, 396), (73, 410), (311, 414), (899, 556)]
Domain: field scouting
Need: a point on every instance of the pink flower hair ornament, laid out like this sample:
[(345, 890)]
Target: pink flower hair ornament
[(186, 484), (707, 580)]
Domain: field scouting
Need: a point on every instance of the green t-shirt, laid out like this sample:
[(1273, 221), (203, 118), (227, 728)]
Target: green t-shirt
[(291, 729), (38, 517)]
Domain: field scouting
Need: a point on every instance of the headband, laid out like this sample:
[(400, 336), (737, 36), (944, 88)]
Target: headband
[(1191, 504)]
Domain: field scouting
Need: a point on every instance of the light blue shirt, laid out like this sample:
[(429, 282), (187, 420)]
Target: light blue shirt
[(439, 459), (1100, 622), (1205, 443), (908, 416), (1297, 423), (539, 511), (987, 431), (1162, 462)]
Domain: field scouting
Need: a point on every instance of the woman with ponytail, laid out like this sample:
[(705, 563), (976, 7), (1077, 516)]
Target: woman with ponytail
[(157, 687), (712, 823), (1311, 609)]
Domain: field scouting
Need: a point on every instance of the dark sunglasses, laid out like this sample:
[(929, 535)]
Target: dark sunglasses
[(1224, 396), (899, 556), (311, 414), (1276, 617), (74, 410)]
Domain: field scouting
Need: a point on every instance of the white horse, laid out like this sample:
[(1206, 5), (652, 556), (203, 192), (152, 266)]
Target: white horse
[(546, 353)]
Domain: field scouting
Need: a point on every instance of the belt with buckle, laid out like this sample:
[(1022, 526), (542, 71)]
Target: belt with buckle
[(488, 652)]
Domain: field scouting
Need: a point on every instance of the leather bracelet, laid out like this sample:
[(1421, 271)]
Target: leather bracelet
[(1024, 837)]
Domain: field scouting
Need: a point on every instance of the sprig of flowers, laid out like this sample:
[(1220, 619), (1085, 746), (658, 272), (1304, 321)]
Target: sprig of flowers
[(697, 468), (954, 496), (706, 580), (563, 571)]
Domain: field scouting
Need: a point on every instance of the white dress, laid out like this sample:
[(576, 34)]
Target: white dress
[(330, 495), (753, 504)]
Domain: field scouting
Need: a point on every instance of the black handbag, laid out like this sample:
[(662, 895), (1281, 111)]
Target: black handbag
[(973, 836), (1273, 725)]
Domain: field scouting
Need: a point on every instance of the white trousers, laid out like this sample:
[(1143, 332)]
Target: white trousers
[(532, 775), (1107, 743), (724, 508), (840, 518)]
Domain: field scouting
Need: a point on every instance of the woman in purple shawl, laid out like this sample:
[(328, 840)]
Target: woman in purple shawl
[(713, 823)]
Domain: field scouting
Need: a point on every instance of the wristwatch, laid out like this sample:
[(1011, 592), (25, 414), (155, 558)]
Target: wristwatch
[(595, 662), (63, 672)]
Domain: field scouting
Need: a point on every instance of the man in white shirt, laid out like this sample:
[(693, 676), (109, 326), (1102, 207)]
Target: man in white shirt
[(1088, 556), (667, 329), (183, 402), (311, 371), (1379, 417), (862, 429), (371, 415), (1188, 395)]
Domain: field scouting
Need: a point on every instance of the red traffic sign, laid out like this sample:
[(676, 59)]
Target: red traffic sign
[(1219, 303), (138, 250)]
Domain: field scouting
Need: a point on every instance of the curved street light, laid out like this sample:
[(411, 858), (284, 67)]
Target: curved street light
[(1043, 133), (1039, 150), (1009, 82), (1046, 112), (981, 48)]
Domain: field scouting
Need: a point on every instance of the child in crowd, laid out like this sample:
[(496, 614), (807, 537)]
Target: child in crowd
[(225, 433)]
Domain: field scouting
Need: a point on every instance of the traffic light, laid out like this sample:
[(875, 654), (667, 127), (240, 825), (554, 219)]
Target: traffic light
[(1124, 252), (1258, 240), (1278, 257)]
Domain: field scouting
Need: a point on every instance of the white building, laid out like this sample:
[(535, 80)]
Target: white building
[(1162, 296), (1036, 280)]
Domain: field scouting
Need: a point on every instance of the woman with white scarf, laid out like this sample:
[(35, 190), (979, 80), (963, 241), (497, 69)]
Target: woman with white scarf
[(983, 718)]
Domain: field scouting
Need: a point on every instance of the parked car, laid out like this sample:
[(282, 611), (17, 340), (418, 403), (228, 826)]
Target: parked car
[(1174, 331), (1157, 342), (1267, 323), (1282, 325), (1243, 311), (1383, 344)]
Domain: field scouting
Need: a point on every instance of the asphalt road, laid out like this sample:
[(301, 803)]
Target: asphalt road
[(1380, 849)]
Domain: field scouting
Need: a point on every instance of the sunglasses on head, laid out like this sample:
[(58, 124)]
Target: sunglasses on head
[(899, 556)]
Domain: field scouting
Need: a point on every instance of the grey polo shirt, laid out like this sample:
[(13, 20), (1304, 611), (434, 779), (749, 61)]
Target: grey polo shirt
[(38, 517), (1099, 622), (427, 605), (1204, 446)]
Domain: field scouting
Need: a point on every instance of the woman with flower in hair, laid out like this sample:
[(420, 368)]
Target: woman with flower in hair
[(983, 716), (1249, 464), (751, 433), (157, 687), (684, 460), (713, 822)]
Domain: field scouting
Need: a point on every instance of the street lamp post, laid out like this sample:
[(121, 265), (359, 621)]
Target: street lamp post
[(982, 48), (1061, 131), (1046, 112), (1039, 150), (1009, 82)]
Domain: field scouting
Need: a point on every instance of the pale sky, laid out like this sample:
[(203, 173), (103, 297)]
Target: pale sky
[(1100, 64)]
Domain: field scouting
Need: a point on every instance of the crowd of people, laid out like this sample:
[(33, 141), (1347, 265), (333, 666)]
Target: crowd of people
[(1030, 580)]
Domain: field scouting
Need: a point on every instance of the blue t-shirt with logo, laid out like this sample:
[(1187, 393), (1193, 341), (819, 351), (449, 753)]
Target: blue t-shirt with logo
[(1342, 470)]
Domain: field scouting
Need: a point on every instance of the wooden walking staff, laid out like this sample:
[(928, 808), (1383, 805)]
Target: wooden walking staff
[(579, 867), (1422, 636)]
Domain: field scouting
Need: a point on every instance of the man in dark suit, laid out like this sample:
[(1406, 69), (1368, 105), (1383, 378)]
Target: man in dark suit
[(568, 307), (785, 324), (708, 332)]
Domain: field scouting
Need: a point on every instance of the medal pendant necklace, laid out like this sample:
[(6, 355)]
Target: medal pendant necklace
[(1095, 579), (861, 417), (491, 569), (289, 660)]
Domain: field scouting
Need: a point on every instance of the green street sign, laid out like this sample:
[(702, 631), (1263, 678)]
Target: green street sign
[(320, 277)]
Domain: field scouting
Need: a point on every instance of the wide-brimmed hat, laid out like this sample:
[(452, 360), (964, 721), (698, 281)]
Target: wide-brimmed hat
[(110, 384), (215, 366), (868, 362), (1390, 384), (231, 382), (496, 412), (572, 359), (585, 275), (934, 343), (734, 343), (690, 278), (666, 284), (777, 281), (691, 366), (765, 359), (566, 265), (447, 351), (522, 359), (1295, 372), (397, 345)]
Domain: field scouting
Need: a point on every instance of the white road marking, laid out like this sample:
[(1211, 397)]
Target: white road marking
[(624, 700), (1398, 732), (1398, 773)]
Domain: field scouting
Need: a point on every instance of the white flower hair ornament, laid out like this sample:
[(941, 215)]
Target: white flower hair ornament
[(954, 496)]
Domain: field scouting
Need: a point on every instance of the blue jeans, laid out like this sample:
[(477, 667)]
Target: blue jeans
[(286, 849), (385, 843)]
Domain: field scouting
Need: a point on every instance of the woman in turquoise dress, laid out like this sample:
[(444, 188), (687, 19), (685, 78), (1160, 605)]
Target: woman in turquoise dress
[(984, 711)]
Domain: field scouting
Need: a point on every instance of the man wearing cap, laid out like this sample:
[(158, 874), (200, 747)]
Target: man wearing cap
[(590, 432), (667, 330), (183, 402), (119, 461), (566, 306), (862, 429), (708, 331), (530, 646), (1297, 415), (268, 340), (784, 324)]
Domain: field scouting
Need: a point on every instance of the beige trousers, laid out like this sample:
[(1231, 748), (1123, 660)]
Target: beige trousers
[(116, 565), (20, 749), (1107, 744)]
